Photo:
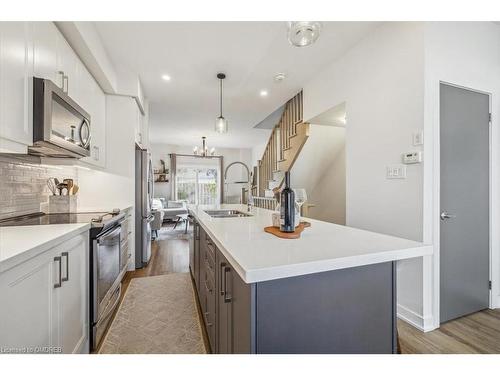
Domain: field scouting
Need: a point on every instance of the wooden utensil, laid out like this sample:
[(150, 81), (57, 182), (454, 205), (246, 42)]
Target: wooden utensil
[(69, 182), (75, 189)]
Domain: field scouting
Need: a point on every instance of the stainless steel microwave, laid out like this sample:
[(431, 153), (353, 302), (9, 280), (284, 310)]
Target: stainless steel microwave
[(61, 128)]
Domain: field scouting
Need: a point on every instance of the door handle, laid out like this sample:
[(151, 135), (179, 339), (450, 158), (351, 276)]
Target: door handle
[(66, 255), (59, 283), (445, 215)]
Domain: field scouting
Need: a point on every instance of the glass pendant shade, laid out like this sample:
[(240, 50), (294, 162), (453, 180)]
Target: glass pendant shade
[(303, 33), (221, 125)]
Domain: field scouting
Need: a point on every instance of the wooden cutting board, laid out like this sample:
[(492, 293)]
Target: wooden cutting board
[(288, 235)]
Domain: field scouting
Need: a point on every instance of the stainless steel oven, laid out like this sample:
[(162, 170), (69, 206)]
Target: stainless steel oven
[(61, 128), (106, 273)]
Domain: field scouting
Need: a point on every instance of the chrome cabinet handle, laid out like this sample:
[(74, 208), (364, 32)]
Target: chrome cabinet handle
[(221, 278), (65, 80), (66, 255), (61, 73), (227, 296), (445, 215), (59, 283)]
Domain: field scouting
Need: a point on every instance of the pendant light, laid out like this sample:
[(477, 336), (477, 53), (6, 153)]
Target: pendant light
[(303, 33), (221, 125)]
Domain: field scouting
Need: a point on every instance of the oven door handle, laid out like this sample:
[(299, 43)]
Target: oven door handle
[(104, 237)]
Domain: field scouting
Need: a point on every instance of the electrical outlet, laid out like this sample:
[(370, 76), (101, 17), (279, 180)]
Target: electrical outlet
[(396, 172), (413, 157)]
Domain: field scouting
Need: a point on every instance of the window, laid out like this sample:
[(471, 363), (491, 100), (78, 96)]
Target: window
[(198, 181)]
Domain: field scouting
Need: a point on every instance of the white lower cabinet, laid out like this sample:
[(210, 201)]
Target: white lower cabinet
[(39, 316)]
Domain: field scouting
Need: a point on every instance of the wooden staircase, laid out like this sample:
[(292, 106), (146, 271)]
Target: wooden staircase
[(284, 146)]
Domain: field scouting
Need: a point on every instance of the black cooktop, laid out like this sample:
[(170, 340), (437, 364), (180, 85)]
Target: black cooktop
[(98, 220)]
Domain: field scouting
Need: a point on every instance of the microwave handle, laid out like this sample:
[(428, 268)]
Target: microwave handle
[(87, 142)]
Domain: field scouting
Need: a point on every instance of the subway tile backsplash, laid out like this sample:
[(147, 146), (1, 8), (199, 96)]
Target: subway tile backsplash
[(23, 184)]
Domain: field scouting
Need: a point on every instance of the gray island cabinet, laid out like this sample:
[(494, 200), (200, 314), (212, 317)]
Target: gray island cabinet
[(349, 310)]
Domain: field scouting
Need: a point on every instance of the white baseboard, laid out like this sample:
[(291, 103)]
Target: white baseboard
[(424, 324), (495, 303)]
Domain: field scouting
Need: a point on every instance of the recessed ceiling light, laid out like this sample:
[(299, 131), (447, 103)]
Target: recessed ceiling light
[(263, 93), (279, 77), (166, 77)]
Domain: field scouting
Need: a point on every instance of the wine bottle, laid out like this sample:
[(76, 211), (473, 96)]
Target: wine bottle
[(287, 213)]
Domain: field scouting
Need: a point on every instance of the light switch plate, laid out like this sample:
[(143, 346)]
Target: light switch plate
[(396, 172), (418, 138)]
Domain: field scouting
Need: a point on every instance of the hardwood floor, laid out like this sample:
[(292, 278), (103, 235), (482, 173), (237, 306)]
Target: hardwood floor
[(475, 333)]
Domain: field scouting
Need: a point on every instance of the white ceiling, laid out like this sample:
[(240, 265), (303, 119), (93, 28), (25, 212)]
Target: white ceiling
[(250, 53)]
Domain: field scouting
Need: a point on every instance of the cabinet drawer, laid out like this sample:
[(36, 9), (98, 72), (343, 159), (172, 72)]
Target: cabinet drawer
[(209, 316)]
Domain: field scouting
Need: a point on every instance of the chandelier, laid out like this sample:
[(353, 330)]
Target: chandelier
[(203, 151)]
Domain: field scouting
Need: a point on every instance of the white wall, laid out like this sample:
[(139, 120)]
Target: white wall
[(465, 54), (320, 169), (382, 81), (258, 151), (236, 173)]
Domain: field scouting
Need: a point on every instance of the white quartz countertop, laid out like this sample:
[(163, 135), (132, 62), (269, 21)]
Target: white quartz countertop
[(259, 256), (18, 244)]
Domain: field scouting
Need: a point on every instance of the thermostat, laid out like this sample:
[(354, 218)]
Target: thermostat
[(412, 157)]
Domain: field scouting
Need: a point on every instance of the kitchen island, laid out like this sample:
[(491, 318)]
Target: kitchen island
[(331, 291)]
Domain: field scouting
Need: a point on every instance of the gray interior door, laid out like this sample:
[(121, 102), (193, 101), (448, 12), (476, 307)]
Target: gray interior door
[(464, 244)]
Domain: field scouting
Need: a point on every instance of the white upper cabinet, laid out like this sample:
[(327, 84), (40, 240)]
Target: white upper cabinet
[(39, 49), (45, 38), (16, 70), (54, 59), (68, 65), (93, 101)]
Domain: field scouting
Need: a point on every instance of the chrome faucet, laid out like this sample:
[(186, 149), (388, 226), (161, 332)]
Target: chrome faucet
[(250, 196), (249, 181)]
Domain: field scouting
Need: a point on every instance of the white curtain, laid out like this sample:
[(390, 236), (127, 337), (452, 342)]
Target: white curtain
[(173, 174)]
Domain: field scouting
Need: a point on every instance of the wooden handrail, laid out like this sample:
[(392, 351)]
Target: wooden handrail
[(280, 146)]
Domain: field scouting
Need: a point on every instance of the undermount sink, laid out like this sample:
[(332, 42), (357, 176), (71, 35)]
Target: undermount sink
[(226, 213)]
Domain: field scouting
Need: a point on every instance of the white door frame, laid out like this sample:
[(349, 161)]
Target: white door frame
[(436, 222)]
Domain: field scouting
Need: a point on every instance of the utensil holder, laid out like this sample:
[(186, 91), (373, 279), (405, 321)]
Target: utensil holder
[(60, 204)]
